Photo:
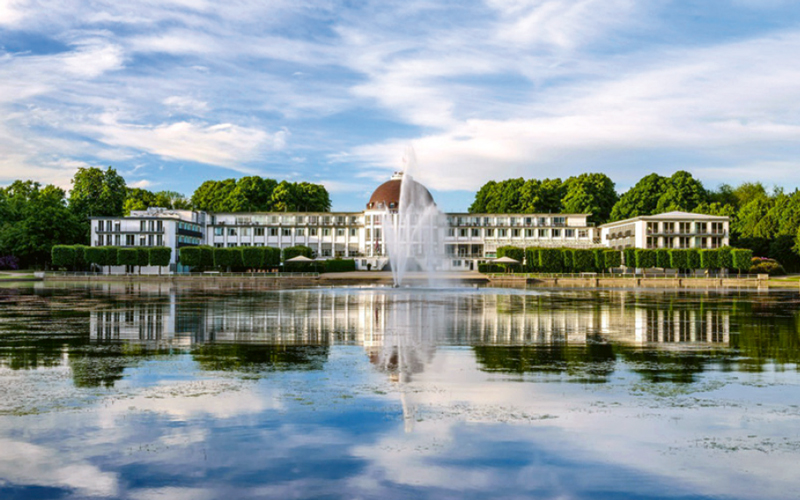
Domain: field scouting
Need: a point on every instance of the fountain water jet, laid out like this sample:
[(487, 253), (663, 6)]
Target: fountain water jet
[(414, 232)]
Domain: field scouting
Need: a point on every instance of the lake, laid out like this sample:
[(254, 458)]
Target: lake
[(145, 391)]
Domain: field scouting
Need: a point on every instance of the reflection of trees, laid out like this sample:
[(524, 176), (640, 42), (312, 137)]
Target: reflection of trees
[(104, 365), (593, 361), (254, 358), (30, 352), (767, 335)]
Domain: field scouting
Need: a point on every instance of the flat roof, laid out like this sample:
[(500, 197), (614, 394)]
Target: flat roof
[(675, 215)]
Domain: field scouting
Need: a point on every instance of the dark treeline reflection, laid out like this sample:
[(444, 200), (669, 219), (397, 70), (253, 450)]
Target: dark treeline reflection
[(100, 330)]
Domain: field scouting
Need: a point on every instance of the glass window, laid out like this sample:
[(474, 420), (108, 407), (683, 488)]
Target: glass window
[(218, 231), (286, 231), (231, 231), (300, 231), (259, 231)]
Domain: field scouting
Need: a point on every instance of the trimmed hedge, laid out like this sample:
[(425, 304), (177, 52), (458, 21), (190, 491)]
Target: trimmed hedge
[(193, 257), (228, 258), (128, 257), (551, 260), (569, 259), (645, 258), (692, 259), (599, 259), (340, 265), (253, 257), (532, 259), (709, 259), (63, 256), (583, 260), (142, 256), (662, 258), (742, 259), (613, 258), (488, 267), (679, 259), (160, 256), (725, 258), (629, 255)]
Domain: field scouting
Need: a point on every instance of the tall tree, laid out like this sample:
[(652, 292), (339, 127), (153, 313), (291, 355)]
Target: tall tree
[(683, 192), (590, 193), (641, 199), (97, 192)]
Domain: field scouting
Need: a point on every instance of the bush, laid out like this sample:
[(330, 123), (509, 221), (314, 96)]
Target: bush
[(583, 260), (781, 249), (515, 253), (292, 252), (340, 265), (95, 256), (191, 256), (272, 257), (128, 257), (142, 257), (488, 267), (761, 265), (709, 259), (693, 259), (551, 260), (725, 258), (111, 256), (599, 259), (742, 259), (645, 258), (630, 257), (678, 259), (303, 267), (613, 258), (63, 256), (160, 256), (662, 258)]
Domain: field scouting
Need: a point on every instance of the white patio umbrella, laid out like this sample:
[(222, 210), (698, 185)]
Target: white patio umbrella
[(300, 258), (505, 260)]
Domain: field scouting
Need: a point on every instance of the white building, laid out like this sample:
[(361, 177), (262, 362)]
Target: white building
[(466, 238), (668, 230)]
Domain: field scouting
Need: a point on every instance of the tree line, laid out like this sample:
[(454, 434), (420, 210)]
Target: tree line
[(34, 218), (766, 222)]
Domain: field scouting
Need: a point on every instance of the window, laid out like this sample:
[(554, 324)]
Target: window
[(142, 241), (232, 245), (451, 232), (108, 239), (286, 231), (218, 231), (476, 233), (490, 233), (583, 233), (569, 233), (312, 231), (142, 225), (231, 231), (116, 240), (326, 231), (353, 232), (219, 245), (701, 227), (685, 227), (542, 221), (462, 233), (652, 227), (543, 233), (150, 240), (259, 231), (99, 225), (717, 228), (502, 233), (369, 234), (669, 227), (300, 231), (340, 232), (515, 233), (129, 240), (456, 263), (559, 221), (245, 231), (651, 242), (529, 233), (273, 231), (556, 233), (116, 227)]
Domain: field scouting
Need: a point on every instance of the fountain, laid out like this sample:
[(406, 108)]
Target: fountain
[(414, 231)]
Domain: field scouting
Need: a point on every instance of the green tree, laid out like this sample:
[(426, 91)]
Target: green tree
[(641, 199), (63, 256), (142, 257), (590, 193), (613, 259), (662, 258), (742, 259), (128, 257), (97, 192), (159, 257), (683, 192), (292, 252), (645, 258)]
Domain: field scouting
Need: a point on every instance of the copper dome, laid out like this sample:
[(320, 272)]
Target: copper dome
[(387, 195)]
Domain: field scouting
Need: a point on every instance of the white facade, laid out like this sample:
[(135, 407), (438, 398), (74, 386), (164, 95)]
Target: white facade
[(668, 230)]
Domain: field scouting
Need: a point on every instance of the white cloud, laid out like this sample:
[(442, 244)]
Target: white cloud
[(186, 104)]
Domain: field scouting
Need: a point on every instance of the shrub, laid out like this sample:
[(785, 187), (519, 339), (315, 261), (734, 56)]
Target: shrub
[(191, 256), (160, 256), (128, 257), (662, 258), (292, 252), (303, 267), (110, 256), (143, 256), (95, 256), (630, 257), (693, 259), (781, 249), (645, 258), (63, 256), (272, 257), (761, 265), (725, 258), (613, 258), (551, 260), (583, 260), (742, 259), (340, 265), (515, 253), (709, 259), (488, 267), (228, 258)]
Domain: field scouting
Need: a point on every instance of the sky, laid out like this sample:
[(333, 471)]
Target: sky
[(175, 92)]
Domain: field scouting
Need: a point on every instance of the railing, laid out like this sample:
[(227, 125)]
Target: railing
[(210, 274), (752, 277)]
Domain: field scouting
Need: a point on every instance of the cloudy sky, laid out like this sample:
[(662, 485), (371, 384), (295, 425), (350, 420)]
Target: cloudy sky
[(174, 92)]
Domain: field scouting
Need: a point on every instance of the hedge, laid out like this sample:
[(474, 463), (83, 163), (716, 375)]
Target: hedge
[(662, 258), (551, 260), (725, 258), (193, 257), (569, 259), (679, 259), (645, 258), (692, 259), (128, 257), (80, 256), (709, 259), (599, 259), (340, 265), (583, 260), (613, 258), (160, 256), (630, 257), (253, 257), (292, 252), (228, 258), (532, 259), (515, 253), (63, 256), (304, 267), (742, 259), (272, 257), (143, 256)]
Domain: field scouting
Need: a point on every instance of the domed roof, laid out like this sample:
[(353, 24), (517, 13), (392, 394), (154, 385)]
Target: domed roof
[(387, 195)]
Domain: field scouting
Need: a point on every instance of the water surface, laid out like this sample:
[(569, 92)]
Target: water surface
[(143, 391)]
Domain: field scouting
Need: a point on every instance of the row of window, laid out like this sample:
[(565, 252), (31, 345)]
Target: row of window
[(507, 221), (325, 252), (295, 219), (189, 226), (683, 242), (518, 233), (685, 227), (284, 231), (147, 240), (189, 240)]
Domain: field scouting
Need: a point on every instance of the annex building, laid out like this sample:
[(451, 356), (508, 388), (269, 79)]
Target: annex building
[(467, 238)]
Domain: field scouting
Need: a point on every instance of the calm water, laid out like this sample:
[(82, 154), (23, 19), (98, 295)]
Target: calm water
[(146, 392)]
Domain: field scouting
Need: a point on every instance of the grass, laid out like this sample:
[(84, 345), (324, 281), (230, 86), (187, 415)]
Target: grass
[(14, 275)]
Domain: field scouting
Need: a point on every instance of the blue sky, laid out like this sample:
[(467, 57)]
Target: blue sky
[(174, 92)]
